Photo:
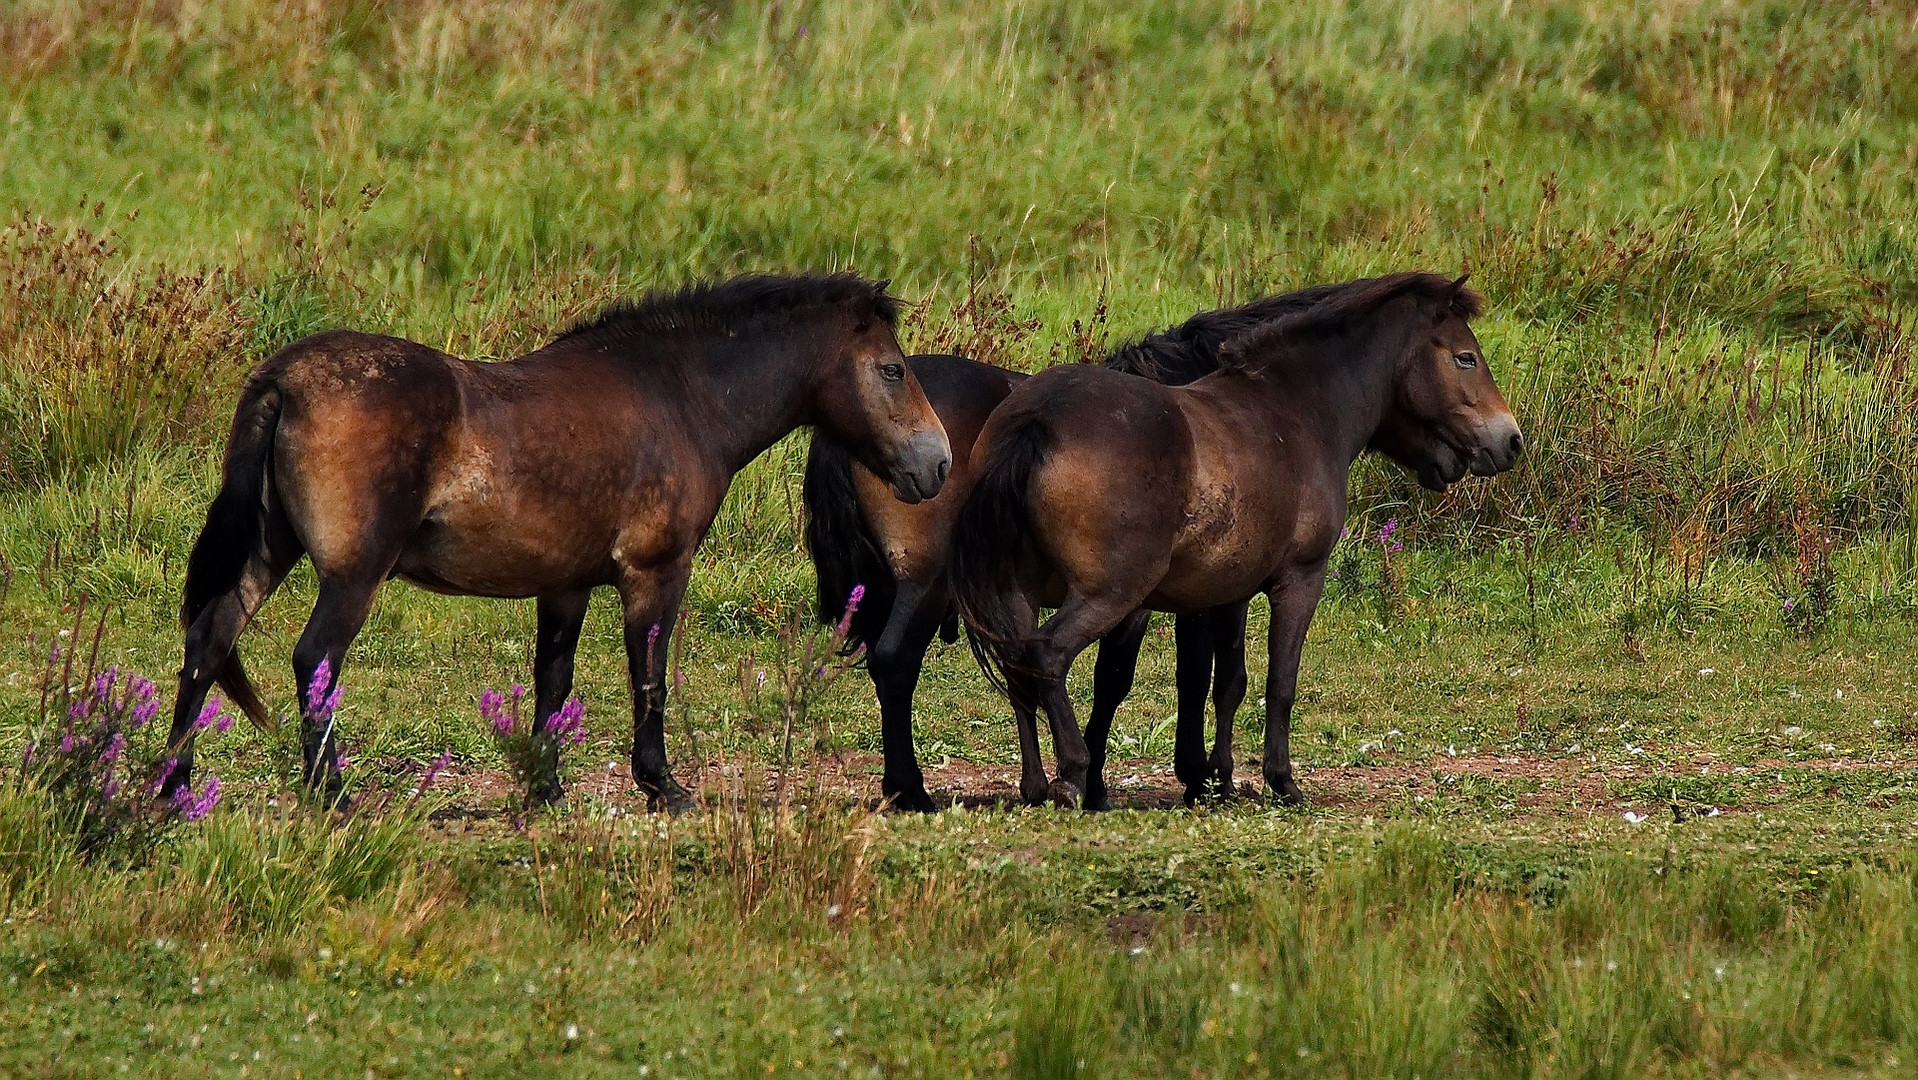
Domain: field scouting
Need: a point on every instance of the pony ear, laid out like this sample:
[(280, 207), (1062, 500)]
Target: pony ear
[(879, 287), (1460, 300)]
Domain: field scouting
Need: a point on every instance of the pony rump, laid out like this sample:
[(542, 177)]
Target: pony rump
[(991, 541)]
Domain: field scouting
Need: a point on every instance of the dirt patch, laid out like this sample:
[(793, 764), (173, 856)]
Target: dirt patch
[(1523, 784)]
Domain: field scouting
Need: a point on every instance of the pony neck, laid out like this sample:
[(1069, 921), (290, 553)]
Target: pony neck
[(747, 392), (1342, 387)]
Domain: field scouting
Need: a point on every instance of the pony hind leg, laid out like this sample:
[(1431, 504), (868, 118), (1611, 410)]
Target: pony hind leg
[(560, 618), (894, 665), (1079, 622), (344, 602), (1112, 676), (210, 641)]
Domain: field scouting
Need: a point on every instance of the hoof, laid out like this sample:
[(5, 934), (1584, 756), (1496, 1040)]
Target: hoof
[(1065, 795), (1097, 803), (672, 799), (913, 800), (1033, 794), (1284, 791)]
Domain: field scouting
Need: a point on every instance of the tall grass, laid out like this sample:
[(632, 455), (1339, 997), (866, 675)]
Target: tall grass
[(1687, 215)]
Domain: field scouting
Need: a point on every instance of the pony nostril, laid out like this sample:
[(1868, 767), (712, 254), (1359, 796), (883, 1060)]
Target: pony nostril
[(1518, 444), (945, 469)]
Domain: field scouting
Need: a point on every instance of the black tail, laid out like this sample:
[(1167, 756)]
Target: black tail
[(844, 552), (991, 544), (236, 528)]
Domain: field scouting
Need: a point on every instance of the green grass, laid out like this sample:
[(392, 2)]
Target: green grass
[(1693, 222)]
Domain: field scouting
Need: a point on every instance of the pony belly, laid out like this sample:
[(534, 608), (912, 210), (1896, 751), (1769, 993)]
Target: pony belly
[(468, 566)]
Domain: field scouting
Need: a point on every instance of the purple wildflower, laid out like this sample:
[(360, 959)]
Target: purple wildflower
[(103, 683), (1386, 533), (166, 773), (115, 747), (433, 770), (208, 714), (81, 708), (66, 743), (26, 755), (143, 712), (194, 807), (320, 704), (224, 724), (566, 724), (1789, 605), (852, 605), (492, 707)]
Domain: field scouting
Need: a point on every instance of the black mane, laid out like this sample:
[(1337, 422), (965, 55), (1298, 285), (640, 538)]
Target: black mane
[(1190, 350), (1339, 306), (732, 306)]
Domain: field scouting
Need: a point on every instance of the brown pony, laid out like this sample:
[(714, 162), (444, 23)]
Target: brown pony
[(600, 459), (1100, 494), (860, 536)]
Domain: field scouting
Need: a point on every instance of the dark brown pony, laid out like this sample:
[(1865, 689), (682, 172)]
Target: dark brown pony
[(860, 536), (1100, 494), (601, 459)]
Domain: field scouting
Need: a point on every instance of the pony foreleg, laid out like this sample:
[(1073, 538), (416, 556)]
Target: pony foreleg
[(894, 664), (1294, 600), (651, 603), (1228, 688), (1112, 675), (1192, 636), (560, 616)]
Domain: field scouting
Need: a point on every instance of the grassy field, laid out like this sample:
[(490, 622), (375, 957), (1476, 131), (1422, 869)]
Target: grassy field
[(1611, 767)]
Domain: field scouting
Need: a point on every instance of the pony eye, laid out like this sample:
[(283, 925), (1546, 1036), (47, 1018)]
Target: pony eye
[(1465, 360), (893, 372)]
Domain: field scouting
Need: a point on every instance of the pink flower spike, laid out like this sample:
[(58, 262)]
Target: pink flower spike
[(166, 773), (224, 724), (492, 707), (852, 606), (317, 687), (208, 714), (433, 770)]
